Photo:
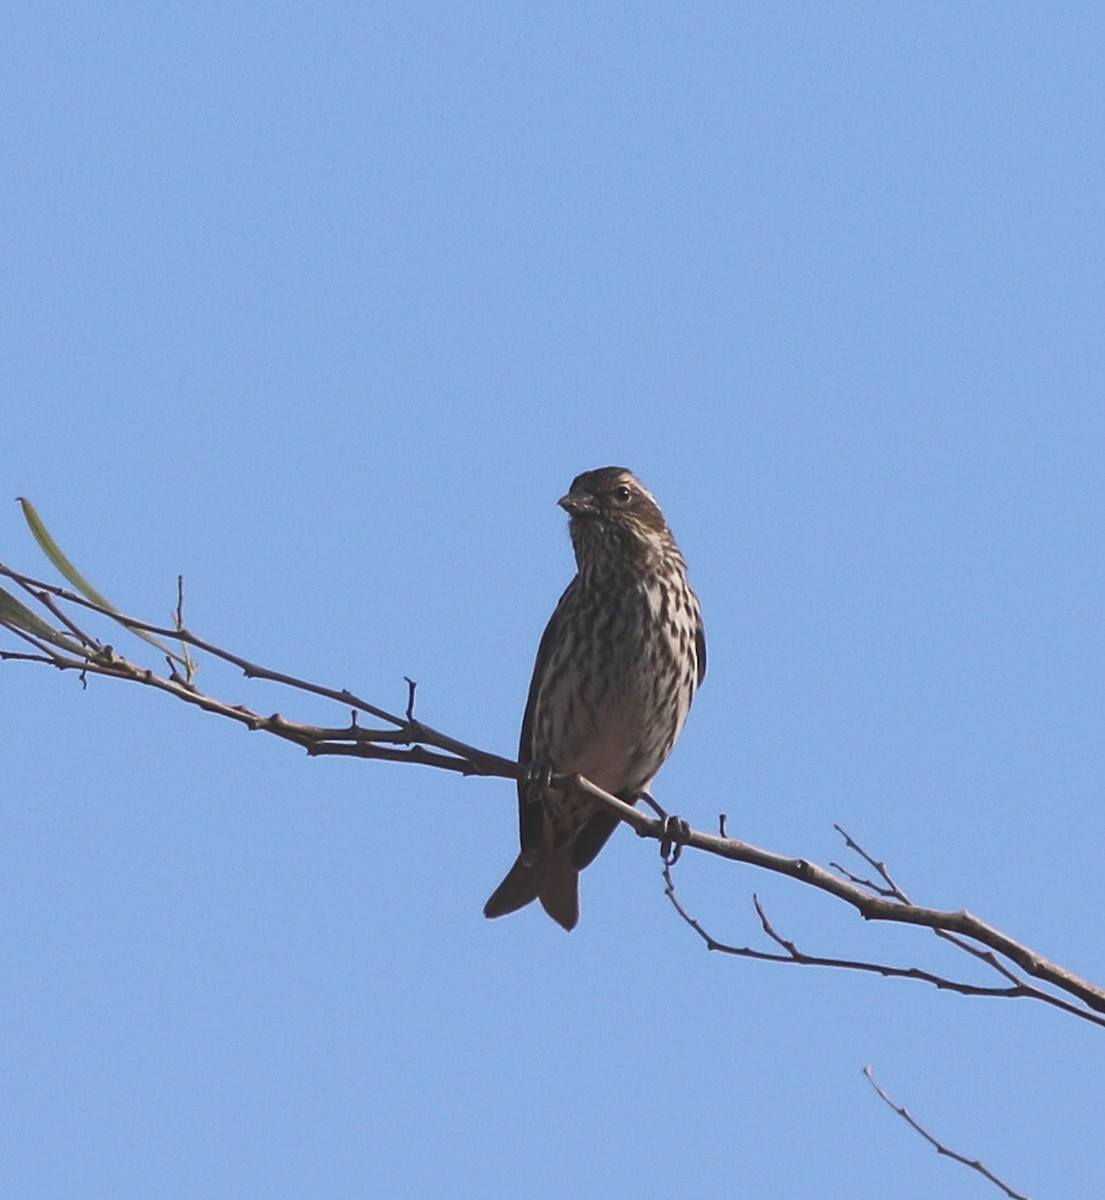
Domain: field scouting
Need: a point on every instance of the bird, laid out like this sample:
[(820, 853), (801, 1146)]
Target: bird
[(617, 668)]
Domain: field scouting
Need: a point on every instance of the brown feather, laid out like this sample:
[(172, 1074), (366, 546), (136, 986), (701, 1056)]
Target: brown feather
[(616, 670)]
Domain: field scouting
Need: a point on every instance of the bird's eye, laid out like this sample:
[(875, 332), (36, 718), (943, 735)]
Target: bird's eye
[(623, 493)]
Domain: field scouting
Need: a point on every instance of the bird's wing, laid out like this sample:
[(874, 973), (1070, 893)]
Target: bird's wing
[(700, 648), (531, 813)]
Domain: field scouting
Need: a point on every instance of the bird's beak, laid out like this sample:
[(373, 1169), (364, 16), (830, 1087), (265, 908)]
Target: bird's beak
[(578, 504)]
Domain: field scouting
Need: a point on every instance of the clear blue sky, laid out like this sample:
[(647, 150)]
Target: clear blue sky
[(324, 305)]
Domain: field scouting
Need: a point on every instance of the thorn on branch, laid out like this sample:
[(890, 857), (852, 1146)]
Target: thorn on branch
[(412, 687), (721, 829)]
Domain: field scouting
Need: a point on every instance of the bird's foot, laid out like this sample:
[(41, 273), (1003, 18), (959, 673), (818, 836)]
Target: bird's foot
[(646, 798), (532, 789), (675, 833), (535, 782)]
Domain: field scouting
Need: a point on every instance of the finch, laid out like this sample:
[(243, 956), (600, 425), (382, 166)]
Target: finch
[(616, 670)]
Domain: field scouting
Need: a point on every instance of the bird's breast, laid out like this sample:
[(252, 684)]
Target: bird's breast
[(616, 694)]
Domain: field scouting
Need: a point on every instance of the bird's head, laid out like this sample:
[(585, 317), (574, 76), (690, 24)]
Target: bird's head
[(612, 515)]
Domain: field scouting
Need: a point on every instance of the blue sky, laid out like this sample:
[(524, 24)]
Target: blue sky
[(324, 306)]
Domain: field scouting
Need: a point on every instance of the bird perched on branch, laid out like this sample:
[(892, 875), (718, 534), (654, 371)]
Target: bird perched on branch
[(616, 670)]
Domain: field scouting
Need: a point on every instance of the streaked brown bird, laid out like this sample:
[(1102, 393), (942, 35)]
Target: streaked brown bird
[(616, 670)]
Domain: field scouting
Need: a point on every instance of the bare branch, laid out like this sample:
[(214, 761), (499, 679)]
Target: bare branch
[(939, 1146), (871, 908), (1017, 990), (403, 738), (889, 887)]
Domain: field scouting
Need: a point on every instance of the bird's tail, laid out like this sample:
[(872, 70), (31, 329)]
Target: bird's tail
[(553, 879)]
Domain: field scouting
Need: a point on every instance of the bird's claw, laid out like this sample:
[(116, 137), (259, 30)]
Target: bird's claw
[(675, 833), (535, 782)]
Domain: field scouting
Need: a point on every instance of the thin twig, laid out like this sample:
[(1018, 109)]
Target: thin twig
[(1016, 991), (939, 1146), (890, 888), (56, 610)]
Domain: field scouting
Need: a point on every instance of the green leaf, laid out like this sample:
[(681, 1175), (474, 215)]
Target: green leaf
[(13, 612), (53, 552)]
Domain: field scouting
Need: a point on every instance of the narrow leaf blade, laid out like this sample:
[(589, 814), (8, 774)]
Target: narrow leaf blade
[(14, 612), (54, 553)]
